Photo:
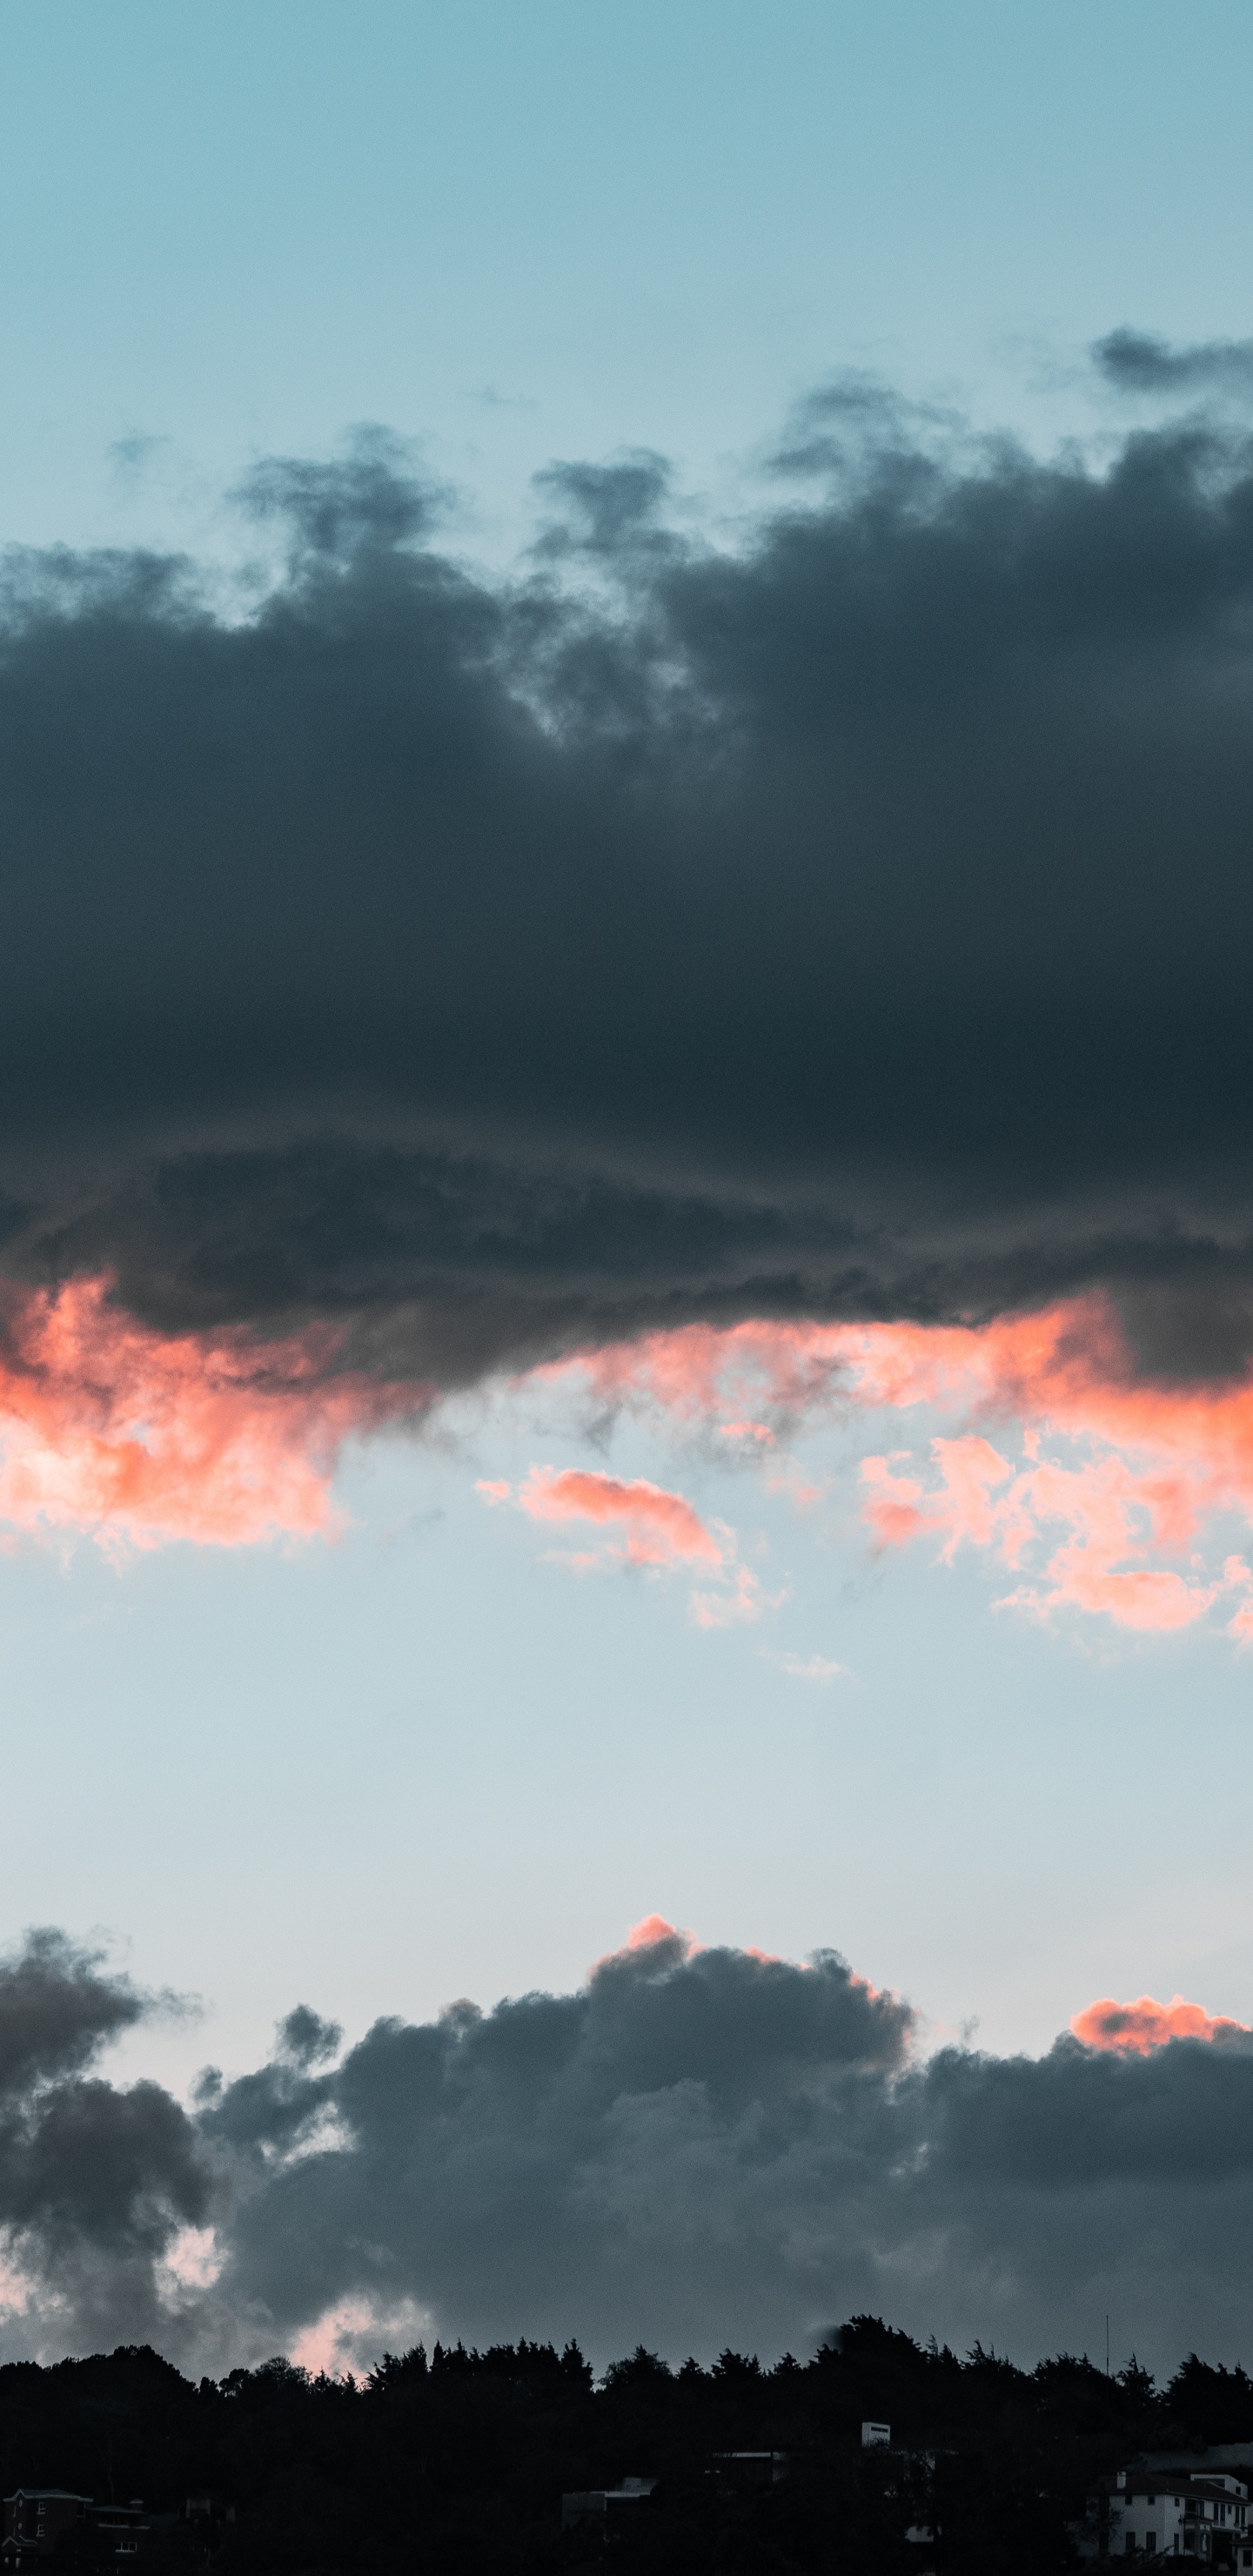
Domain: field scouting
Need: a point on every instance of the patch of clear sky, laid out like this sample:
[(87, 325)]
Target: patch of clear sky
[(548, 228)]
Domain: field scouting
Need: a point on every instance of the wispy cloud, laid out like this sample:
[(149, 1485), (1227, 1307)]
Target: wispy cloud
[(647, 1527), (811, 1668), (652, 1527)]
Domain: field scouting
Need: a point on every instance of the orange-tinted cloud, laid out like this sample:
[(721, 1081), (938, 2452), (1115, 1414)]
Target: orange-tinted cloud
[(1098, 1491), (138, 1437), (649, 1527), (1116, 1475), (1146, 2024), (657, 1528), (654, 1928), (653, 1933)]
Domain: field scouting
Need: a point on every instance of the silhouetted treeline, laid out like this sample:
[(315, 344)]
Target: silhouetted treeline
[(459, 2462)]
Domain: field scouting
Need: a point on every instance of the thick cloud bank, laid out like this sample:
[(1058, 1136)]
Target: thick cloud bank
[(849, 920), (699, 2146), (96, 2184)]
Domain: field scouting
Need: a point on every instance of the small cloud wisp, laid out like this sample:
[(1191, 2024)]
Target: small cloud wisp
[(648, 1529)]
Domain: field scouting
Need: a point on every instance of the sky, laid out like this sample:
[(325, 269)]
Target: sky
[(626, 1286)]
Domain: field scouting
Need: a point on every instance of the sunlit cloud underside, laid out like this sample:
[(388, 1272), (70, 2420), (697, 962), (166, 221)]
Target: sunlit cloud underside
[(1030, 1440)]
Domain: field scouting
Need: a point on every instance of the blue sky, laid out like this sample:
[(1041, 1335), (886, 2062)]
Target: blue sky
[(427, 1759), (558, 231)]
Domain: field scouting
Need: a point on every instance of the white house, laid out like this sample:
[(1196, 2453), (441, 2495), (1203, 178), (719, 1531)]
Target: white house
[(1165, 2513)]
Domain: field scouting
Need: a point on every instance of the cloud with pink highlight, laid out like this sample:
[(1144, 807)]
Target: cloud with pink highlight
[(700, 2139), (654, 1928), (138, 1438), (1108, 1505), (654, 1936), (345, 2341), (1137, 2027), (647, 1529), (735, 975), (651, 1527)]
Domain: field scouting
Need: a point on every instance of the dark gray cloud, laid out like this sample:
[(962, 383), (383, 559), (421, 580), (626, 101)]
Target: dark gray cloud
[(96, 2181), (850, 921), (1138, 362), (697, 2147), (718, 2148)]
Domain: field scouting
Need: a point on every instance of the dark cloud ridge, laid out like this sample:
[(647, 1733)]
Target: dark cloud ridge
[(1140, 362), (694, 2148), (854, 922)]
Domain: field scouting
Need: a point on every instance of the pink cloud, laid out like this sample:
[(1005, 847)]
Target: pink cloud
[(139, 1438), (1114, 1476), (654, 1933), (349, 2337), (1135, 2028), (1097, 1492), (1102, 1505), (657, 1528), (647, 1526)]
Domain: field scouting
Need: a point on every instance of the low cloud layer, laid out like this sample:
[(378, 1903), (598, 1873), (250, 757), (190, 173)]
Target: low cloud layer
[(698, 2146), (845, 920)]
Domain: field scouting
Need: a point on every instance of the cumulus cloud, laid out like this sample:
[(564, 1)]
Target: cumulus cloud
[(699, 2145), (1146, 2024), (702, 2145), (98, 2184)]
